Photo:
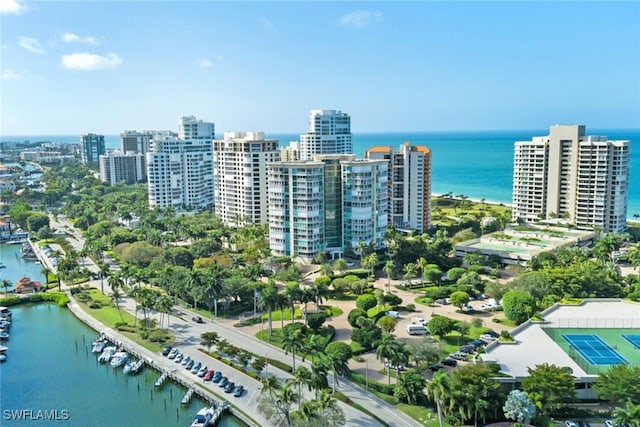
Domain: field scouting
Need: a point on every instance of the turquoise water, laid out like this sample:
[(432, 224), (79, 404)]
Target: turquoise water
[(46, 371), (476, 164), (16, 267)]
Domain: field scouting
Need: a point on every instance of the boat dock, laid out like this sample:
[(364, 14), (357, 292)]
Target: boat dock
[(160, 381), (187, 397)]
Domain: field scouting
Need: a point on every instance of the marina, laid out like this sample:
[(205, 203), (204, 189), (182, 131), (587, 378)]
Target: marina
[(17, 266), (51, 348)]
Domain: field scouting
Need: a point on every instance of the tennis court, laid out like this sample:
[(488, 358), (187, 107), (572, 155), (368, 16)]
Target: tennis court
[(633, 339), (593, 349)]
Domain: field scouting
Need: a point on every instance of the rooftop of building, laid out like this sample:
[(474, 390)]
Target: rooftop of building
[(533, 346)]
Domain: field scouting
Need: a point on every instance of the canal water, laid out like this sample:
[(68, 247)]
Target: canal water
[(15, 267), (50, 368)]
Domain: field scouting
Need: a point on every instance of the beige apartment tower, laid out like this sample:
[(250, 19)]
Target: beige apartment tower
[(567, 174)]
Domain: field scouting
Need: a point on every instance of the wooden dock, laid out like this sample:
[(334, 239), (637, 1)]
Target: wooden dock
[(187, 397)]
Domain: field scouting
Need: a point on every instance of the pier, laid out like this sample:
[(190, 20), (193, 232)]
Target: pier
[(187, 397), (160, 381)]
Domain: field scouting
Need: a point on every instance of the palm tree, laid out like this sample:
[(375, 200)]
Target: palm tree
[(46, 272), (330, 412), (627, 416), (6, 284), (326, 270), (301, 376), (399, 357), (439, 390), (293, 342), (115, 296), (420, 265), (267, 301), (307, 413), (284, 400), (388, 268), (385, 347), (319, 370), (104, 272), (115, 281), (340, 265), (411, 385), (314, 347), (409, 271), (292, 293), (164, 304)]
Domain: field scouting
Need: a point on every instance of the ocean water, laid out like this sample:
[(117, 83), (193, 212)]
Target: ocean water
[(476, 164), (50, 367)]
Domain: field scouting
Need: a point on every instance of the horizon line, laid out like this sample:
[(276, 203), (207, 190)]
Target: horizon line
[(353, 132)]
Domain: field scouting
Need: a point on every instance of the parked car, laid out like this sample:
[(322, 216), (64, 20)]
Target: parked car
[(216, 377), (166, 350), (387, 364), (209, 375), (487, 338), (393, 314), (238, 391), (229, 387), (449, 362), (172, 353), (223, 382), (476, 343), (197, 319), (570, 423), (436, 367), (458, 355), (418, 321)]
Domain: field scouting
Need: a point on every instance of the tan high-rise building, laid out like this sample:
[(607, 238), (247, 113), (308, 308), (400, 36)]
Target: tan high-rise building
[(567, 174), (409, 185), (240, 176)]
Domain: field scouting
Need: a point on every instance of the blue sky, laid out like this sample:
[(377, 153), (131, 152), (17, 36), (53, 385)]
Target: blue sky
[(72, 67)]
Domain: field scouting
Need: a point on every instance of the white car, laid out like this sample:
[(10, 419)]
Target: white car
[(418, 321), (393, 314), (609, 423), (487, 338), (570, 423)]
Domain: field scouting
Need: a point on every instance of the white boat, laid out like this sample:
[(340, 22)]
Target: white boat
[(128, 367), (98, 346), (106, 354), (3, 348), (203, 417), (5, 312), (3, 357), (119, 359), (4, 336)]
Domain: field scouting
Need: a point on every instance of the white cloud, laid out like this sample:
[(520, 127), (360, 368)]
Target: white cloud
[(267, 24), (12, 6), (31, 44), (205, 63), (360, 18), (88, 61), (74, 38), (9, 74)]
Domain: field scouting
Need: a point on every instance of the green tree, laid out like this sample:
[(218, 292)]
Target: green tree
[(459, 299), (340, 265), (549, 387), (384, 349), (627, 416), (209, 339), (301, 376), (338, 355), (439, 390), (619, 383), (6, 284), (387, 323), (474, 390), (267, 301), (410, 388), (115, 299), (518, 305), (293, 342), (440, 325), (389, 268)]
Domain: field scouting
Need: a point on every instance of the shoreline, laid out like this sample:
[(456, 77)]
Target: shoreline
[(474, 200)]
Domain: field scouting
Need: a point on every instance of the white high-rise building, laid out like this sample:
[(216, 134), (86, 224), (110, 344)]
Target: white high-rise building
[(409, 185), (240, 176), (567, 174), (180, 171), (296, 208), (190, 128), (329, 133), (117, 167), (365, 199)]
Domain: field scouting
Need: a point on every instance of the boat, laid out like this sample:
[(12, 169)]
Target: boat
[(128, 367), (203, 417), (5, 324), (98, 346), (106, 354), (3, 357), (119, 359), (3, 348), (4, 336), (2, 265), (5, 312)]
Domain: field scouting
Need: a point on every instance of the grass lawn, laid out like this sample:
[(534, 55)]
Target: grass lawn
[(425, 416), (109, 315)]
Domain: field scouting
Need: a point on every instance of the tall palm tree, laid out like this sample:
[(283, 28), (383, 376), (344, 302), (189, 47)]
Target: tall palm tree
[(326, 270), (385, 347), (104, 272), (164, 304), (284, 399), (420, 265), (307, 413), (46, 272), (267, 301), (328, 406), (6, 284), (439, 390), (389, 268), (319, 371), (293, 342), (399, 357), (301, 376), (292, 293), (115, 297), (409, 271), (411, 385), (314, 347)]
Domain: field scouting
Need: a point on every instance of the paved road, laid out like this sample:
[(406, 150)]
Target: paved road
[(188, 338)]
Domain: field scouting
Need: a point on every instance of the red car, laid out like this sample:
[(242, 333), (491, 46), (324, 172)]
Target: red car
[(208, 375)]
